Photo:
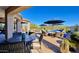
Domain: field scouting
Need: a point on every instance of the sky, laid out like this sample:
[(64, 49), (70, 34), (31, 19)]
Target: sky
[(39, 14)]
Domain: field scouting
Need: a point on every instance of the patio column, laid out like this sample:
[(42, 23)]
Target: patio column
[(10, 26), (19, 26), (28, 27)]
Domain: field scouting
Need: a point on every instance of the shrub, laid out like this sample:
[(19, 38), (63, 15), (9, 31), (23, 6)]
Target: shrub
[(69, 42), (75, 36)]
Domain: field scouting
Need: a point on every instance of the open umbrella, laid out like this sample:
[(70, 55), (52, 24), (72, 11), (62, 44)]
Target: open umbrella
[(43, 25), (54, 22)]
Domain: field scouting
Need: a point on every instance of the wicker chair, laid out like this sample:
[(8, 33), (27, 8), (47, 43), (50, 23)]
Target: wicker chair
[(17, 47), (4, 48)]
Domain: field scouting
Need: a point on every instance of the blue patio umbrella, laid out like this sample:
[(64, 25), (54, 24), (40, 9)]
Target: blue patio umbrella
[(54, 22)]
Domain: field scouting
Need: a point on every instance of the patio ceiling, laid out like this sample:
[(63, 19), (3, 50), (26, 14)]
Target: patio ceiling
[(2, 13), (16, 9), (4, 7)]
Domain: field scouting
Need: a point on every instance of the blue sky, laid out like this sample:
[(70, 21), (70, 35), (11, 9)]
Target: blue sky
[(40, 14)]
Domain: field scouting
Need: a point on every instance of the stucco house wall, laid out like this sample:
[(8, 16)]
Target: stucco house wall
[(2, 12)]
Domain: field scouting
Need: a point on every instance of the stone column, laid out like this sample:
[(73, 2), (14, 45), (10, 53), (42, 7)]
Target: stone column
[(28, 27), (19, 27), (10, 26)]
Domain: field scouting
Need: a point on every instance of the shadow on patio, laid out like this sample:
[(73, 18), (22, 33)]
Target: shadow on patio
[(51, 46)]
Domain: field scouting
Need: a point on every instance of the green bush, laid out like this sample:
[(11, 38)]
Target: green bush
[(76, 33), (72, 43), (75, 36), (69, 42)]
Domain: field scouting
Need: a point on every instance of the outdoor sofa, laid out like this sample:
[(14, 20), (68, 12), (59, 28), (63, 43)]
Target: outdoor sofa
[(12, 45)]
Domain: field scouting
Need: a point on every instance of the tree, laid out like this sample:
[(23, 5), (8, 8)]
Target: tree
[(34, 26), (76, 28)]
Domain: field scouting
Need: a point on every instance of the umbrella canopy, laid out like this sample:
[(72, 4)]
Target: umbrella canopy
[(43, 25), (54, 22)]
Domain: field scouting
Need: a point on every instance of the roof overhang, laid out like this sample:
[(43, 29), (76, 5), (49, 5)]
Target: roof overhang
[(16, 9), (4, 7)]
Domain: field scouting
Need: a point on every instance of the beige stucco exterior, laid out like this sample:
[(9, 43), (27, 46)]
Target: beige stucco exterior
[(2, 12)]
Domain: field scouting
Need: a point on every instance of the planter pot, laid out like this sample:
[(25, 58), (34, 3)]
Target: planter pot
[(64, 47), (77, 48)]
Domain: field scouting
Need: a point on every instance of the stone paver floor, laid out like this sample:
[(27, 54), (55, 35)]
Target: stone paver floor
[(49, 45)]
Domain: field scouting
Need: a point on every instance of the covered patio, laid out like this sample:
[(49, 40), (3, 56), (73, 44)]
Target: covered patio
[(11, 38), (12, 20)]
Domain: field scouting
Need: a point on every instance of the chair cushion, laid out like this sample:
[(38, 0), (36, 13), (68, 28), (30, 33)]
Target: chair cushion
[(2, 38)]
